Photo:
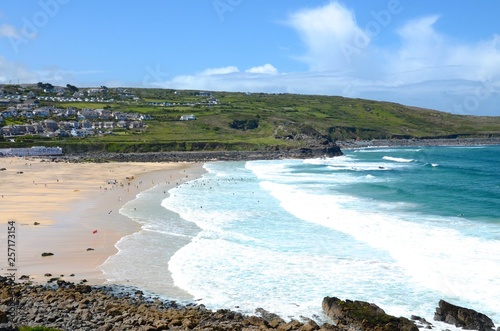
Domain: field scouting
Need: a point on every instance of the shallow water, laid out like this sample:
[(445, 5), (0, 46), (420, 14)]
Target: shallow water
[(400, 227)]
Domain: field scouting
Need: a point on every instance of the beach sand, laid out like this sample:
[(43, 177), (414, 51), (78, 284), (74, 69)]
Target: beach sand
[(76, 206)]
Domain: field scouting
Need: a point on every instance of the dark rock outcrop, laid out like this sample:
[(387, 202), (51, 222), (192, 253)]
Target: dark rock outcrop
[(421, 322), (363, 316), (245, 124), (462, 317)]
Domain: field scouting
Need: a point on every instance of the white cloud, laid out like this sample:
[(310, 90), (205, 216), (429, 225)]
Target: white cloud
[(14, 72), (8, 31), (220, 71), (329, 33), (426, 68), (57, 75), (335, 42), (265, 69), (426, 54)]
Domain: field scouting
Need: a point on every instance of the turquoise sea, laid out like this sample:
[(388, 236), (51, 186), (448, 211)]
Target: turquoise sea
[(399, 227)]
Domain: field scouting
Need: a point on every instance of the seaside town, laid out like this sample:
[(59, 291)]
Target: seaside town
[(33, 118), (34, 109)]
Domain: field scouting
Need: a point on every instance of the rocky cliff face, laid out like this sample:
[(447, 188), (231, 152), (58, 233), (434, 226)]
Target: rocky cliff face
[(306, 134)]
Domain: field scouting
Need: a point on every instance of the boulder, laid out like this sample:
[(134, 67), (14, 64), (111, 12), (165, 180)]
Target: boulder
[(309, 326), (462, 317), (269, 317), (363, 315)]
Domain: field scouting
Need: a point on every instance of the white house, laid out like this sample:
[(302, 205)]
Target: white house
[(80, 133), (41, 112), (188, 117)]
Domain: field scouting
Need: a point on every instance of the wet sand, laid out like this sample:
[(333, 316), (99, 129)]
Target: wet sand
[(72, 211)]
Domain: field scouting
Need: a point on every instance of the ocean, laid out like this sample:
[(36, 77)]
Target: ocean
[(398, 227)]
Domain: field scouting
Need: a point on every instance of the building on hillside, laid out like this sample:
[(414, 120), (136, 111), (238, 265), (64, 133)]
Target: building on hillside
[(33, 151), (50, 125), (188, 117), (9, 112)]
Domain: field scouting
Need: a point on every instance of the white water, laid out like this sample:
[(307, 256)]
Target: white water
[(268, 234)]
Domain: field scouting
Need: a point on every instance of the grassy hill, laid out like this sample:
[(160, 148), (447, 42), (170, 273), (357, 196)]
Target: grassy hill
[(241, 121)]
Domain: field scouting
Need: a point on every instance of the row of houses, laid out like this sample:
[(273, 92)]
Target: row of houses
[(208, 102), (86, 113), (33, 151), (13, 99), (73, 99), (51, 128)]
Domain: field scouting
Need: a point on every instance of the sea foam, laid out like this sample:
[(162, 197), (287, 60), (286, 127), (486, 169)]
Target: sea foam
[(283, 234)]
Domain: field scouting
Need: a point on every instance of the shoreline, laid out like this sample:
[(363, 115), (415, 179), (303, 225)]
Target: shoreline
[(273, 153), (72, 212), (116, 196), (149, 201), (67, 199), (354, 144)]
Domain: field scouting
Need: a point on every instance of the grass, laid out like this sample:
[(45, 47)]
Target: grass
[(277, 115)]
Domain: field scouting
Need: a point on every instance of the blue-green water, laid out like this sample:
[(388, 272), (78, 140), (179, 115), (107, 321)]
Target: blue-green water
[(400, 227)]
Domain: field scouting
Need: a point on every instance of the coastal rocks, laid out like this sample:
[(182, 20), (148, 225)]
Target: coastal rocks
[(273, 319), (364, 316), (462, 317), (412, 142), (325, 148), (421, 322), (68, 306)]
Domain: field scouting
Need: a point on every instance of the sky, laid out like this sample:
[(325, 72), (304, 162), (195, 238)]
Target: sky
[(443, 55)]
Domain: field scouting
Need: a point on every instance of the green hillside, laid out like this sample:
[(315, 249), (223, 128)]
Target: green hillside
[(242, 121)]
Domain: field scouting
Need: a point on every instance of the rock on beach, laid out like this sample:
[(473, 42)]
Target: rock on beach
[(466, 318)]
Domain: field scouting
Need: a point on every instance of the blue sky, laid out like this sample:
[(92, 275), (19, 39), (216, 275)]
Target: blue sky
[(437, 54)]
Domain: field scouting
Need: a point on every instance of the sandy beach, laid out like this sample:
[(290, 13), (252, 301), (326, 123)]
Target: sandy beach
[(72, 211)]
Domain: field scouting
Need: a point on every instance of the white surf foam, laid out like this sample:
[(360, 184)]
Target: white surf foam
[(397, 159), (439, 259)]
